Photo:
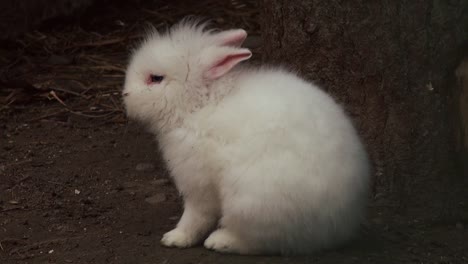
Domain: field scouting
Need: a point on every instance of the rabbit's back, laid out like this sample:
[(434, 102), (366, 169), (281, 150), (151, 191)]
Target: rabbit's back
[(290, 157), (276, 108)]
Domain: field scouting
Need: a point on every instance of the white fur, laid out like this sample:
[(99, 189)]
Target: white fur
[(264, 156)]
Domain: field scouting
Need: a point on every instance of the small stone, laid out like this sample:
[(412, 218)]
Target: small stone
[(77, 191), (459, 225), (51, 251), (157, 198), (144, 167)]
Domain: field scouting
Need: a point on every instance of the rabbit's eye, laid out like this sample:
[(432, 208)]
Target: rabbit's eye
[(156, 78)]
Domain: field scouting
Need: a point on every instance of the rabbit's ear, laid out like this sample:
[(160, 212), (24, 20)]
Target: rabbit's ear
[(222, 60), (233, 37)]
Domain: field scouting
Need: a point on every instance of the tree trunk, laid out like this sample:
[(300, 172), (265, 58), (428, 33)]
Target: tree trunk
[(461, 116), (391, 64)]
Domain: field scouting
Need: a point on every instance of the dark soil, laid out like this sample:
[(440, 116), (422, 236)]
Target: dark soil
[(79, 184)]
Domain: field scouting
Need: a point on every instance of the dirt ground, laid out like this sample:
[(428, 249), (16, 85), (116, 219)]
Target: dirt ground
[(80, 184)]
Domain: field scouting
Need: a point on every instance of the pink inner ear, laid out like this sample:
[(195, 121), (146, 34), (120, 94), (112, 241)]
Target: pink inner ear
[(233, 37), (227, 63), (229, 59)]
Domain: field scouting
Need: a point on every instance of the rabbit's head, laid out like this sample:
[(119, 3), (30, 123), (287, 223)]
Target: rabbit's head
[(172, 74)]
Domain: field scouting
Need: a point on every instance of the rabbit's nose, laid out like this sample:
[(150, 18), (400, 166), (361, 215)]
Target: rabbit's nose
[(125, 94)]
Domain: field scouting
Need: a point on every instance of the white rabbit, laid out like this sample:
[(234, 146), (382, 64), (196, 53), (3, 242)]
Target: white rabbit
[(266, 162)]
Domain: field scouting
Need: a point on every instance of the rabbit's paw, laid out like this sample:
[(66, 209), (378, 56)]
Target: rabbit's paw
[(177, 238), (223, 241)]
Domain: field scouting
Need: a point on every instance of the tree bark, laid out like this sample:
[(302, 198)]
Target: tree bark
[(461, 115), (391, 64)]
